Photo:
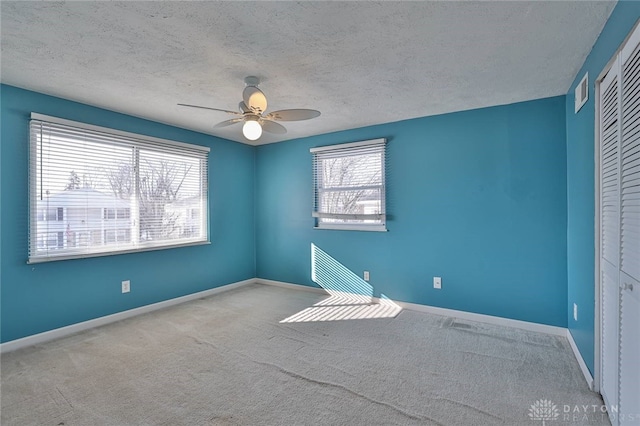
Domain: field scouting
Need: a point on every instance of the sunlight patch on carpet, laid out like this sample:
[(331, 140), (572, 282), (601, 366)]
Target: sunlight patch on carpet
[(339, 307)]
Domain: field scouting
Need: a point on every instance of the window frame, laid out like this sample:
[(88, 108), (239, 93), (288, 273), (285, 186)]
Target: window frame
[(342, 150), (138, 142)]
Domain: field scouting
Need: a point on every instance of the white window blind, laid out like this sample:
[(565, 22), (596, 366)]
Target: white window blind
[(97, 191), (349, 186)]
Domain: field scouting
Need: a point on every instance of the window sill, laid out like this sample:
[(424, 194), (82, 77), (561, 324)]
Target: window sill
[(379, 228), (112, 253)]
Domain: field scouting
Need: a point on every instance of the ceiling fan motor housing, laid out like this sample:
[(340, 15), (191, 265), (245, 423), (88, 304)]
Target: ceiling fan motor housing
[(251, 81)]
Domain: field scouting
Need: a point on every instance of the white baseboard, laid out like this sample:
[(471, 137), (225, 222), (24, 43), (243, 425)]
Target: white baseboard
[(488, 319), (85, 325), (291, 286), (583, 366)]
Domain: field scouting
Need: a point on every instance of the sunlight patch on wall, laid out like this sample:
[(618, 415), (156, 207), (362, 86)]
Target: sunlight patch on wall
[(334, 277)]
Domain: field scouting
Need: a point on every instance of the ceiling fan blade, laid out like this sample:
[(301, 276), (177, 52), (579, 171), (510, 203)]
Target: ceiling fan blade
[(243, 107), (254, 99), (293, 114), (213, 109), (228, 122), (273, 127)]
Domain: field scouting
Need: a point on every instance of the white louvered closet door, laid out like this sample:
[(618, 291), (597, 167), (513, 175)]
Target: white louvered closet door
[(619, 123), (610, 233), (629, 391)]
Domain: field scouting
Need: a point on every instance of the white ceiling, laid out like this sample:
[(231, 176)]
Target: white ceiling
[(359, 63)]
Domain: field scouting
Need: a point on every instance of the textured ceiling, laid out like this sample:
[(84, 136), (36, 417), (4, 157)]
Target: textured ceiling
[(359, 63)]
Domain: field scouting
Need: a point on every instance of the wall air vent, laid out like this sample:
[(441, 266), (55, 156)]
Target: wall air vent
[(582, 92)]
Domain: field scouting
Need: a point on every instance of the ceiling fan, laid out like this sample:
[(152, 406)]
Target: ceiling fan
[(252, 113)]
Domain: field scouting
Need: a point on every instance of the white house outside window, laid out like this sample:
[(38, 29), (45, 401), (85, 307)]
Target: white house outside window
[(349, 186), (97, 191)]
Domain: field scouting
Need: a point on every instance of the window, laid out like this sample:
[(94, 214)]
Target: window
[(349, 183), (97, 191), (50, 214), (109, 214), (117, 235)]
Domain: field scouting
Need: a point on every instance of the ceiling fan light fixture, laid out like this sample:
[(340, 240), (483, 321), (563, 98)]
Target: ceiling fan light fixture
[(252, 130), (251, 112)]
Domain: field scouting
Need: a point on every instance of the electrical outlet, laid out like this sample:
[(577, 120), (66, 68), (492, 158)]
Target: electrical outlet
[(575, 312), (126, 286), (366, 275), (437, 282)]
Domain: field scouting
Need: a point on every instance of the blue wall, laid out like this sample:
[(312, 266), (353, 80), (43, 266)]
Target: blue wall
[(497, 201), (580, 181), (476, 197), (41, 297)]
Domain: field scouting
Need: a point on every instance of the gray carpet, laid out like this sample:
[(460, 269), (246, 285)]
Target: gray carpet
[(227, 360)]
